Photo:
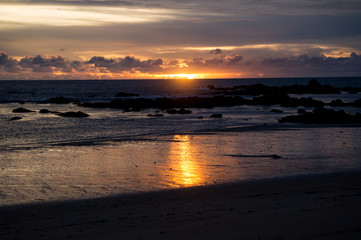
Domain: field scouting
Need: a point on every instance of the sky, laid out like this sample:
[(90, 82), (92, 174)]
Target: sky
[(121, 39)]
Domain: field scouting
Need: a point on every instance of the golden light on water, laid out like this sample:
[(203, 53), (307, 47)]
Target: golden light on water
[(185, 170)]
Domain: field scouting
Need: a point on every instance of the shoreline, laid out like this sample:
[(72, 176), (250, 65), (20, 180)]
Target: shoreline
[(319, 206)]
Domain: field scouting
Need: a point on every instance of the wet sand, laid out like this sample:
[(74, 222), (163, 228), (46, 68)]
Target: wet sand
[(306, 207)]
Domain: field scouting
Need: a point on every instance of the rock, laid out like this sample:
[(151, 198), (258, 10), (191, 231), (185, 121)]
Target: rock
[(301, 111), (74, 114), (22, 110), (125, 94), (180, 111), (45, 111), (337, 103), (131, 110), (276, 111), (15, 118), (357, 103), (155, 115), (184, 111), (216, 115), (323, 116), (172, 111)]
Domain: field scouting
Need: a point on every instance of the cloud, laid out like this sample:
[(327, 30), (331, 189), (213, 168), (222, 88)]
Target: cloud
[(58, 67), (7, 64), (216, 51), (129, 63), (296, 66), (3, 58)]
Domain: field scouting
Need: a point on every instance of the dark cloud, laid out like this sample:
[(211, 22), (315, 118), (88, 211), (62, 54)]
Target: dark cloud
[(296, 66), (8, 64), (308, 65), (303, 65), (216, 51), (3, 58), (129, 63)]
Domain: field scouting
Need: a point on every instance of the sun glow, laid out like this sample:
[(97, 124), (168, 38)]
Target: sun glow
[(184, 76)]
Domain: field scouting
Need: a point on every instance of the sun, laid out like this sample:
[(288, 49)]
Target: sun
[(184, 76)]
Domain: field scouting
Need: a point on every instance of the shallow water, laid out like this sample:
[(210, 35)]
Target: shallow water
[(172, 161)]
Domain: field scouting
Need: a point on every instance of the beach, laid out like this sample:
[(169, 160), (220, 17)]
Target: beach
[(226, 168), (304, 207)]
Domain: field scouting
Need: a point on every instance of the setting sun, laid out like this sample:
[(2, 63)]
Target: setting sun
[(184, 76)]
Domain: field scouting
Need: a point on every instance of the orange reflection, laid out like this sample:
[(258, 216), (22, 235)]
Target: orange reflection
[(185, 170)]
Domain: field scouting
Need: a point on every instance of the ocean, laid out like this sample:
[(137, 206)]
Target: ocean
[(46, 157)]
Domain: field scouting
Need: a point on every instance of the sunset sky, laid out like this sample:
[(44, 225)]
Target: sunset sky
[(106, 39)]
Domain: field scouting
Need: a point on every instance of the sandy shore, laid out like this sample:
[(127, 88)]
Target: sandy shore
[(313, 207)]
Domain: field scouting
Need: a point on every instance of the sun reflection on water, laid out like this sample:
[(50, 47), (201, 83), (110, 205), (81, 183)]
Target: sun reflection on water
[(185, 169)]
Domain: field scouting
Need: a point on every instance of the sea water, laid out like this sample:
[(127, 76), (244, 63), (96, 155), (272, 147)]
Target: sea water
[(46, 157)]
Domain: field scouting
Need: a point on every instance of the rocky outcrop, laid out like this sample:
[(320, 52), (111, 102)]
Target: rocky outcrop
[(323, 116), (73, 114), (45, 111), (15, 118), (216, 115), (180, 111), (22, 110)]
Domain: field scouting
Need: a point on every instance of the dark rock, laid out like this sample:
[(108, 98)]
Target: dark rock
[(323, 116), (15, 118), (125, 94), (45, 111), (172, 111), (22, 110), (155, 115), (74, 114), (276, 111), (301, 111), (184, 111), (272, 98), (357, 103), (216, 115), (131, 110), (338, 103), (352, 90)]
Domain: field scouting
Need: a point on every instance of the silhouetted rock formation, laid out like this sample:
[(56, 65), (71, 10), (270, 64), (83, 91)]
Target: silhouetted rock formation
[(196, 102), (276, 111), (15, 118), (313, 87), (45, 111), (216, 115), (22, 110), (180, 111), (74, 114), (323, 116), (155, 115), (263, 95)]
